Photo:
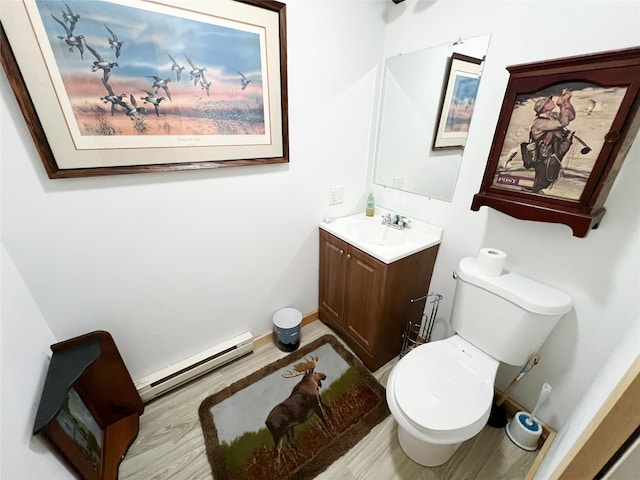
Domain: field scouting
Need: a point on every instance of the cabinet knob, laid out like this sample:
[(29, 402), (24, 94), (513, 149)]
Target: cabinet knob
[(341, 251), (348, 256)]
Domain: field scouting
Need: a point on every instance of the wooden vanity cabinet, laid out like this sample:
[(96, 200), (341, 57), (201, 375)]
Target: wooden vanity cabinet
[(368, 302)]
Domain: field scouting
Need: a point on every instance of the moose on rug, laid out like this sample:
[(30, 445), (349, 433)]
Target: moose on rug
[(304, 401), (294, 417)]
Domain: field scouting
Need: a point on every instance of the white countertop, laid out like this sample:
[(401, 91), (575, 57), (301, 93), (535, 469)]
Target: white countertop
[(380, 241)]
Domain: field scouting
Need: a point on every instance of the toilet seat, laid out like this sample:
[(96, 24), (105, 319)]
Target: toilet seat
[(445, 387)]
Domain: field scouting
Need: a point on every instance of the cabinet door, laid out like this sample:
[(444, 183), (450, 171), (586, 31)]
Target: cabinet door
[(364, 297), (333, 264)]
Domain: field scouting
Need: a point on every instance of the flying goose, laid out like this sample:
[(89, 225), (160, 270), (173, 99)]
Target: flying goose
[(197, 74), (113, 98), (175, 66), (159, 83), (133, 109), (205, 86), (153, 100), (244, 80), (68, 16), (71, 39), (101, 64), (113, 41)]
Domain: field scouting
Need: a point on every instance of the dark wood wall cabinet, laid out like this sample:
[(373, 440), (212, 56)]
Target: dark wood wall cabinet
[(564, 131), (367, 302)]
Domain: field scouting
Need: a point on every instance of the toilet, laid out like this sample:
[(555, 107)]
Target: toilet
[(441, 392)]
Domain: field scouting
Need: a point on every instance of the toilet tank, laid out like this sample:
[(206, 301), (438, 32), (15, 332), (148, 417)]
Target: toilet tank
[(508, 316)]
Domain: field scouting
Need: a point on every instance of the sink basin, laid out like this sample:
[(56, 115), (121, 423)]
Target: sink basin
[(376, 233), (381, 241)]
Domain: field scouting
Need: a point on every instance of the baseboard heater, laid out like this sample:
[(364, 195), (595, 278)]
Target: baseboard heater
[(179, 373)]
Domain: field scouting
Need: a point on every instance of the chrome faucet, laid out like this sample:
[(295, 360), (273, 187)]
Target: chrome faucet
[(395, 221)]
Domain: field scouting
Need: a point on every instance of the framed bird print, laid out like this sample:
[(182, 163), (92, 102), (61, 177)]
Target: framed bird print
[(113, 87)]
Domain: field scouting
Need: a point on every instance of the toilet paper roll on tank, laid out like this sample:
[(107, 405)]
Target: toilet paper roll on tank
[(491, 261)]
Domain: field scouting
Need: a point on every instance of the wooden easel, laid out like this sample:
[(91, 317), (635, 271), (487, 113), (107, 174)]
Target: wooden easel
[(89, 407)]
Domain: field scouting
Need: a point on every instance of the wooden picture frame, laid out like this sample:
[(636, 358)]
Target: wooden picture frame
[(458, 101), (564, 130), (90, 90)]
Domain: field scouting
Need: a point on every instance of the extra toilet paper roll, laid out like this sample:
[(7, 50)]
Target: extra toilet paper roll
[(491, 261)]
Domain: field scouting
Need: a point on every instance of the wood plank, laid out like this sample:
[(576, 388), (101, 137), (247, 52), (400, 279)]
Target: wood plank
[(612, 425)]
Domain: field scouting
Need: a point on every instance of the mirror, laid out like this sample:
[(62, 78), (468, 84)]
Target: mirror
[(413, 90)]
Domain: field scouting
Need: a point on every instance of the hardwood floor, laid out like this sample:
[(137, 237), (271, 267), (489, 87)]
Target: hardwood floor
[(170, 444)]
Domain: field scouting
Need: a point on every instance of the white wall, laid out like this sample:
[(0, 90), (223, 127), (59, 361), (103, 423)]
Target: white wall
[(172, 263), (24, 355), (614, 368), (599, 272)]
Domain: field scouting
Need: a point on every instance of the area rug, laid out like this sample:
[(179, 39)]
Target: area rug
[(294, 417)]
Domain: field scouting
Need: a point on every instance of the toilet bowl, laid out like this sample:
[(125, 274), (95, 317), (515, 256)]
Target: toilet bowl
[(440, 395)]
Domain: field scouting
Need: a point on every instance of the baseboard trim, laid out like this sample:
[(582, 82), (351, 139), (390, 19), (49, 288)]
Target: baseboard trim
[(269, 338)]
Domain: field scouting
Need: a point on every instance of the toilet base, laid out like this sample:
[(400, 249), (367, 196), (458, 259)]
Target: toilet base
[(425, 453)]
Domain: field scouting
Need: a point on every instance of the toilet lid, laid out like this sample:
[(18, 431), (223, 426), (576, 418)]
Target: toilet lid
[(441, 389)]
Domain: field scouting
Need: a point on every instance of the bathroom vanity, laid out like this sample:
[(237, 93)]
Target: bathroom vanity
[(373, 280)]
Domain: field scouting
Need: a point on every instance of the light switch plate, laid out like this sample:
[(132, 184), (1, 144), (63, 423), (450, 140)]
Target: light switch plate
[(336, 195)]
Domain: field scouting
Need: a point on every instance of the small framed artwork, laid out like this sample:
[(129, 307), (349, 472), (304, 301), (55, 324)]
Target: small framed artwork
[(77, 430), (110, 87), (564, 130), (458, 101)]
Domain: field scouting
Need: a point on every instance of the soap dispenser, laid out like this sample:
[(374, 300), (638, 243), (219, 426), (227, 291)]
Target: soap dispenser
[(370, 205)]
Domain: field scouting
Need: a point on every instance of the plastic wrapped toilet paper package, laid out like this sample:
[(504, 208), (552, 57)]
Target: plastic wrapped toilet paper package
[(491, 261)]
